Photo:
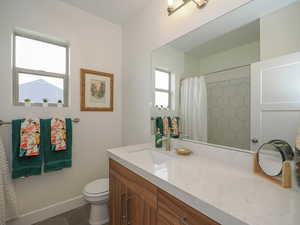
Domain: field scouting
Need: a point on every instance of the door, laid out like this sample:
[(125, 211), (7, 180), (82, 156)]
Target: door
[(275, 100)]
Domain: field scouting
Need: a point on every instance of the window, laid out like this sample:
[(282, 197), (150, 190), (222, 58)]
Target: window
[(40, 70), (162, 88)]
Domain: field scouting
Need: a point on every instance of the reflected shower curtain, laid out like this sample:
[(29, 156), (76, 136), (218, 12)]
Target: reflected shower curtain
[(193, 108)]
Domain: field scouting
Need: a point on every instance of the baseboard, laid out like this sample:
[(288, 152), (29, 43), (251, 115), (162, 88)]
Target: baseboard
[(105, 221), (49, 211)]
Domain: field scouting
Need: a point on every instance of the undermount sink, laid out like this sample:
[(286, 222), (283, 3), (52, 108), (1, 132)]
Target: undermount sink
[(156, 157)]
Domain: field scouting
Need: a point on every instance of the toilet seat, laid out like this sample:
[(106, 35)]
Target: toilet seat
[(97, 188)]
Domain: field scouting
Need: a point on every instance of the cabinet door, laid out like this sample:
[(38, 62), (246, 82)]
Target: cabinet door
[(132, 198), (139, 212), (134, 208), (117, 201)]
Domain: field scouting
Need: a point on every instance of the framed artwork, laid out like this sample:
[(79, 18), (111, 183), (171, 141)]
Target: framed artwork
[(97, 91)]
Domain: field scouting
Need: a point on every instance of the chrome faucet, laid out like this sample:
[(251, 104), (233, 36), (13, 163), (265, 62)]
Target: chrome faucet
[(167, 140)]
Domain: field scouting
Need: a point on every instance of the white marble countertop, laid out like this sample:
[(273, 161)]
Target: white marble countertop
[(216, 182)]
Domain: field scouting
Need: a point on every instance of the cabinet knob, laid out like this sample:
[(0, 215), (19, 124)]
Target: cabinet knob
[(254, 140), (183, 220)]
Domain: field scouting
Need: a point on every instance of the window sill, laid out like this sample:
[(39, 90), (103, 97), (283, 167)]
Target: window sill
[(52, 105)]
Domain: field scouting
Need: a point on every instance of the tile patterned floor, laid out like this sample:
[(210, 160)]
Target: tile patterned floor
[(77, 216)]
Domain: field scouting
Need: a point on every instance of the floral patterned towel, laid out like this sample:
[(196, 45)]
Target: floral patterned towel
[(58, 135), (30, 138)]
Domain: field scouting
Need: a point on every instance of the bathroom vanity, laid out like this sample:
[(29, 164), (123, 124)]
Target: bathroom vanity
[(209, 187), (135, 201)]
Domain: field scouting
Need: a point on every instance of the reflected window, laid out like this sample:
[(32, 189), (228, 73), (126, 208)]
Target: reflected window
[(40, 69), (162, 88)]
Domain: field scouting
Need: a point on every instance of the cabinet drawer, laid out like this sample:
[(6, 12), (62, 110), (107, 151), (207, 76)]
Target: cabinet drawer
[(141, 187), (172, 207), (166, 218)]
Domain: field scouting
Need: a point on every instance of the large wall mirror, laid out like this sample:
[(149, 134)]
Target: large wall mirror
[(235, 81)]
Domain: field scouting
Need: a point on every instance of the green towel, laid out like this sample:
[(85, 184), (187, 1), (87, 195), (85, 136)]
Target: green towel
[(23, 166), (170, 122), (159, 125), (56, 160)]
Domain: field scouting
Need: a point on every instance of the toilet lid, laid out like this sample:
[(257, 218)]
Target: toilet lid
[(97, 186)]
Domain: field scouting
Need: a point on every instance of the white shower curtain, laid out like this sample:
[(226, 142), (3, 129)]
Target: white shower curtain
[(8, 201), (193, 108)]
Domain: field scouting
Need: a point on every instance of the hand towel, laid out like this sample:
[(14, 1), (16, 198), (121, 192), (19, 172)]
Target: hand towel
[(30, 137), (159, 125), (298, 140), (56, 160), (8, 200), (58, 135), (175, 127), (166, 125), (23, 166)]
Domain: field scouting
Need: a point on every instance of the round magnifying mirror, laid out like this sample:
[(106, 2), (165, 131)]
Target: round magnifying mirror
[(270, 160), (272, 155)]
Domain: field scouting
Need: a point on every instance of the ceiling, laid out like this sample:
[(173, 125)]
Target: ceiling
[(241, 36), (115, 11)]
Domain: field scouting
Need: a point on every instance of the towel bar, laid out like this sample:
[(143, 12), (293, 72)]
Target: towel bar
[(75, 120)]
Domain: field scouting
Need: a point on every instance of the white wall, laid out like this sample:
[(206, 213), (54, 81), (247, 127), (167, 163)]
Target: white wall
[(152, 28), (238, 56), (145, 32), (172, 60), (95, 44), (280, 33)]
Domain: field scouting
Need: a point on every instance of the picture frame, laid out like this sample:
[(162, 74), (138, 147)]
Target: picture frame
[(96, 91)]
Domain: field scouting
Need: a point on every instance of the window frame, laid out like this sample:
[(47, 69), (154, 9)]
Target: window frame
[(17, 70), (163, 90)]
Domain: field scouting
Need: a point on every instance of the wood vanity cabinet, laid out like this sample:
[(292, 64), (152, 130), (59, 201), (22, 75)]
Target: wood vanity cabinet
[(135, 201), (132, 199)]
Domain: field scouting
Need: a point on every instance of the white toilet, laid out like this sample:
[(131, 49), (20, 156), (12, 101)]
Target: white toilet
[(96, 193)]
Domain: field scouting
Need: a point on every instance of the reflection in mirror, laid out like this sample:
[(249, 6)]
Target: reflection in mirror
[(162, 88), (210, 92), (271, 156), (227, 84), (270, 160)]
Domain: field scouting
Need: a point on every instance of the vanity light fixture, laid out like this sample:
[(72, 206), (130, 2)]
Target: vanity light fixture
[(175, 5)]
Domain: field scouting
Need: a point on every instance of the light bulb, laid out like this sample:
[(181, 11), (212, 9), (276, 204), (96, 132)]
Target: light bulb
[(175, 3), (171, 3), (200, 3)]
